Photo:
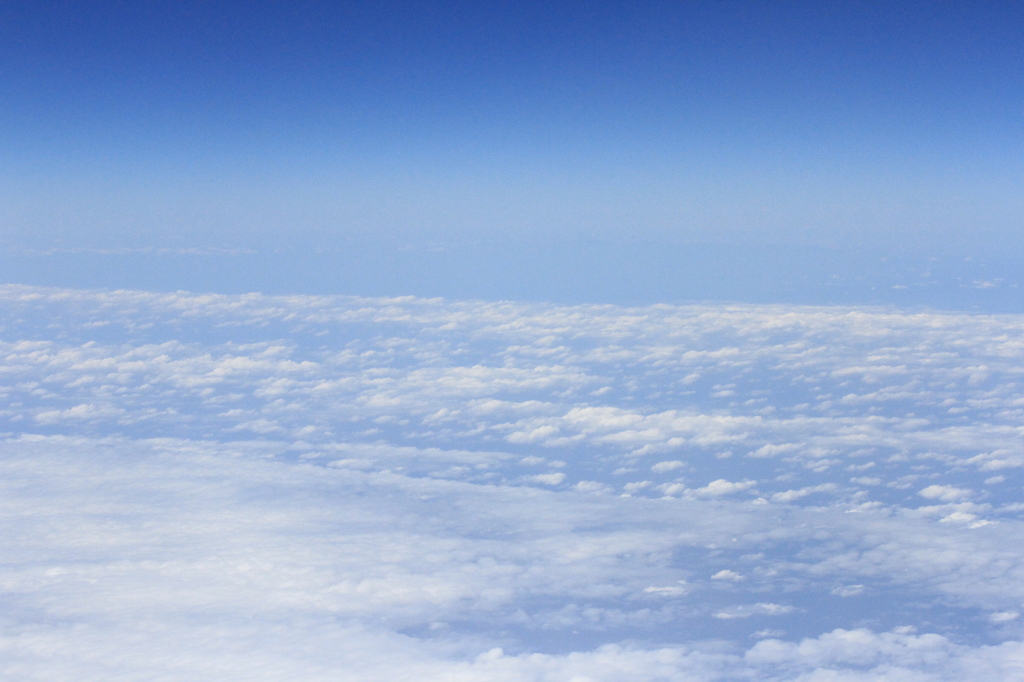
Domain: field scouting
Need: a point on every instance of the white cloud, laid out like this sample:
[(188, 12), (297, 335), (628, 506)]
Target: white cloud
[(669, 590), (591, 487), (849, 591), (547, 479), (1004, 616), (793, 495), (945, 493), (311, 485), (720, 487), (759, 609), (84, 411), (662, 467)]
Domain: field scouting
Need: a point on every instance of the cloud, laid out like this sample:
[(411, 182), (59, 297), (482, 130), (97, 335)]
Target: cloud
[(670, 590), (945, 493), (1004, 616), (759, 609), (219, 486), (78, 412), (547, 479), (720, 487), (849, 591), (793, 495), (662, 467)]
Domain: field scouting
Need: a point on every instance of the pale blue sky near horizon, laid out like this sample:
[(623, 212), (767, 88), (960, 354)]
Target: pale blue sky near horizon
[(533, 138)]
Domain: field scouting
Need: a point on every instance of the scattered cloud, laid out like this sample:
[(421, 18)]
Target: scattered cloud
[(288, 483)]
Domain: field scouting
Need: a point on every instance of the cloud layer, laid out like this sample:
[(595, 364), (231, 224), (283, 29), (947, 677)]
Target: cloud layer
[(250, 487)]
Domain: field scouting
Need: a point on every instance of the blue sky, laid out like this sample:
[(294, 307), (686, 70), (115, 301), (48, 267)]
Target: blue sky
[(891, 126), (489, 342)]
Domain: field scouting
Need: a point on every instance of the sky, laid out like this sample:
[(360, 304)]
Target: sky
[(868, 130), (511, 342)]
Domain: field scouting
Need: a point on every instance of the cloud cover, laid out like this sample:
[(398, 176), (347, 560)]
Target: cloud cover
[(251, 487)]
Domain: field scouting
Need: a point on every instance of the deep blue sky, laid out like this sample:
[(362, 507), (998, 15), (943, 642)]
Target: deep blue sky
[(247, 124)]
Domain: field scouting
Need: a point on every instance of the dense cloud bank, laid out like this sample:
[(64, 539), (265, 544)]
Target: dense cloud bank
[(307, 488)]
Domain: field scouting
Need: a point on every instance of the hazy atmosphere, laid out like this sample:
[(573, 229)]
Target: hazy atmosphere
[(563, 341), (229, 146)]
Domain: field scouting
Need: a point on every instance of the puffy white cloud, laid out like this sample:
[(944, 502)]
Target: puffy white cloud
[(720, 487), (662, 467), (945, 493)]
